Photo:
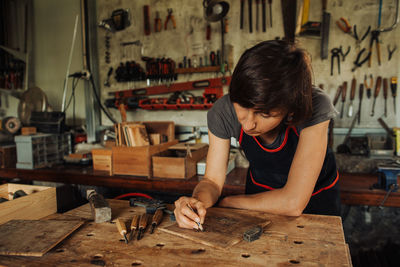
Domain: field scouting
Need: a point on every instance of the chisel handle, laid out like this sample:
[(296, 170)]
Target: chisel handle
[(143, 221), (393, 86), (135, 222), (378, 86), (121, 226), (361, 92), (338, 93), (157, 217), (385, 88), (344, 91), (353, 88)]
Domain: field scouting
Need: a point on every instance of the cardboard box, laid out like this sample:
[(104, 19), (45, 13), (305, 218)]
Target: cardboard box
[(39, 202), (177, 162), (102, 160)]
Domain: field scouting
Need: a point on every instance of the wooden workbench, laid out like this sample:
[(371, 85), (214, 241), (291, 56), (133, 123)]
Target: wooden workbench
[(356, 189), (311, 240)]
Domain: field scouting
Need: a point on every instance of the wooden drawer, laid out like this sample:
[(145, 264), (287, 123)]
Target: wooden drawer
[(39, 202)]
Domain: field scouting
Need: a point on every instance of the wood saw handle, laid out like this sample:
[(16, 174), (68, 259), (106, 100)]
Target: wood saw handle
[(344, 91), (353, 88), (378, 86)]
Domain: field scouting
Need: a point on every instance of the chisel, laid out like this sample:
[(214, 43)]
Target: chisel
[(142, 225), (241, 13), (352, 95), (122, 229), (157, 217), (376, 93), (360, 96), (344, 90), (250, 2), (337, 95), (393, 88), (134, 225), (385, 93), (200, 227), (264, 23)]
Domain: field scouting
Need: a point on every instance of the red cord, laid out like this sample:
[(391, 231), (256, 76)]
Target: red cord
[(134, 195)]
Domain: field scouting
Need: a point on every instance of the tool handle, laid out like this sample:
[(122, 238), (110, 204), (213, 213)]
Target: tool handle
[(143, 221), (135, 222), (324, 4), (393, 86), (361, 91), (157, 217), (344, 91), (385, 88), (353, 88), (378, 86), (121, 226), (146, 13), (338, 92)]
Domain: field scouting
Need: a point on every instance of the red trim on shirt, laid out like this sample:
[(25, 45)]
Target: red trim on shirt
[(241, 135), (313, 194), (278, 148)]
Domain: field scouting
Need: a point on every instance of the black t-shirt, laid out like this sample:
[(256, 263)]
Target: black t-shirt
[(223, 122)]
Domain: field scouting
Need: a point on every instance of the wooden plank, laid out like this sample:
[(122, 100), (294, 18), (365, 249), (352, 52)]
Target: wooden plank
[(4, 191), (223, 228), (40, 202), (33, 237)]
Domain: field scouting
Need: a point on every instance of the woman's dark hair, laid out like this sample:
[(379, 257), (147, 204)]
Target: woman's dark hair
[(274, 75)]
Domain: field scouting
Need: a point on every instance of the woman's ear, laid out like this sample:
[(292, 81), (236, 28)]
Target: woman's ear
[(289, 117)]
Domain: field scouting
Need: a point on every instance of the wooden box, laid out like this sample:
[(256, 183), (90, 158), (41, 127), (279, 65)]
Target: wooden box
[(8, 156), (102, 160), (177, 162), (136, 160), (39, 202)]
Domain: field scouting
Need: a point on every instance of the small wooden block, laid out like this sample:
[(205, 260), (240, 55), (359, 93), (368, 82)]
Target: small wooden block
[(28, 130)]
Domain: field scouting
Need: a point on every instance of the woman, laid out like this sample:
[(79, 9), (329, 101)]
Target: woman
[(281, 122)]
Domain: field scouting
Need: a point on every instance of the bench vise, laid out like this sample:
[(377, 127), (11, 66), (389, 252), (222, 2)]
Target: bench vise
[(388, 177)]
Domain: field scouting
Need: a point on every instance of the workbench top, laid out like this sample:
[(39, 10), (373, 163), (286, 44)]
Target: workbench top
[(311, 240)]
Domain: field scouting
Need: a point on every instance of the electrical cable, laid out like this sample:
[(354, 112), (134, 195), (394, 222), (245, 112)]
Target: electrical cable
[(99, 102)]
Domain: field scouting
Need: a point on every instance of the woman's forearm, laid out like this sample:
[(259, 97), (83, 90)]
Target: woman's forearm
[(207, 192)]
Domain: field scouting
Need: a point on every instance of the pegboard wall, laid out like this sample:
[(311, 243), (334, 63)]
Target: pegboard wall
[(189, 39)]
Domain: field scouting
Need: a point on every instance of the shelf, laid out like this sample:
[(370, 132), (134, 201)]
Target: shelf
[(198, 70), (20, 55)]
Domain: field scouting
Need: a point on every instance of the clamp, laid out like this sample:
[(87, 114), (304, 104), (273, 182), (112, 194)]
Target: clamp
[(169, 17), (359, 62)]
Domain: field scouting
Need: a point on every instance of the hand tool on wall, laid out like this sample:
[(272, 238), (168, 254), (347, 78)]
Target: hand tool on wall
[(344, 91), (250, 3), (270, 12), (288, 8), (264, 19), (374, 39), (335, 54), (326, 18), (344, 147), (376, 93), (358, 39), (107, 82), (100, 208), (344, 25), (134, 225), (257, 14), (360, 97), (170, 17), (121, 229), (391, 51), (344, 54), (142, 225), (156, 220), (241, 13), (157, 22), (368, 86), (337, 95), (359, 62), (146, 16), (393, 88), (200, 227), (385, 94), (352, 95)]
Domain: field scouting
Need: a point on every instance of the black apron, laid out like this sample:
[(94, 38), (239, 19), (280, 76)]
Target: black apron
[(269, 169)]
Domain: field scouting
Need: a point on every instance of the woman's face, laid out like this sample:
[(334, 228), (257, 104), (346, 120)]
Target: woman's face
[(255, 123)]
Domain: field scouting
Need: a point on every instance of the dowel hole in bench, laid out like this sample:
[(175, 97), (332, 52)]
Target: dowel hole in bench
[(294, 261), (246, 255), (298, 242)]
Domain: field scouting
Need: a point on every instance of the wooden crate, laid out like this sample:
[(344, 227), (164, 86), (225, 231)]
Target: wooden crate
[(40, 202), (172, 164), (102, 160), (136, 160), (8, 156)]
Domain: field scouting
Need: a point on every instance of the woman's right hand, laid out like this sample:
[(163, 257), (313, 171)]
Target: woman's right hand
[(185, 217)]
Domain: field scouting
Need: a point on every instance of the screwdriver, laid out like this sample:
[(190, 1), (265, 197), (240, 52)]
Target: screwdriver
[(134, 225), (360, 96), (157, 217), (198, 223), (393, 88), (376, 93), (122, 229), (344, 90), (352, 95), (385, 93), (142, 225)]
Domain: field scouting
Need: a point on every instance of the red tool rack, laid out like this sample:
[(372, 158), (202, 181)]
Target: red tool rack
[(213, 89)]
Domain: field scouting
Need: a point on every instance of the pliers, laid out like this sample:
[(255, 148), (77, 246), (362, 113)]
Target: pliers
[(359, 40), (170, 17), (391, 51), (344, 25), (359, 62), (374, 38)]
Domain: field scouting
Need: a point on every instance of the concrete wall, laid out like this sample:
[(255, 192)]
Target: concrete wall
[(54, 22)]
